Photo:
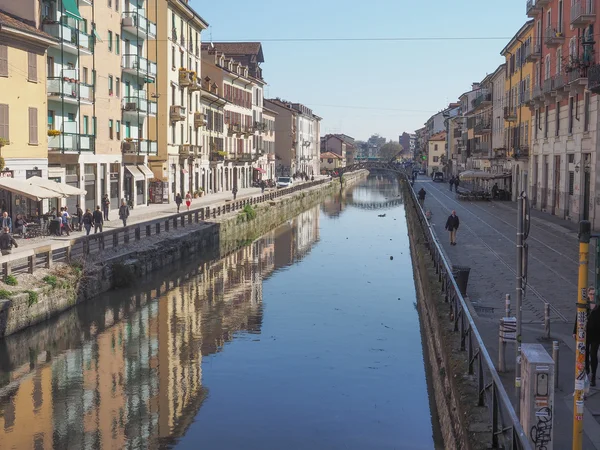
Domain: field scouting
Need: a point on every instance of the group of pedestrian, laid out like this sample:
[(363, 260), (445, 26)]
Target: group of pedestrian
[(179, 201), (454, 181)]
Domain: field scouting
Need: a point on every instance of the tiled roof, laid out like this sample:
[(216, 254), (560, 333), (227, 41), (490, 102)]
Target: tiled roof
[(441, 136), (330, 155), (240, 48), (12, 22)]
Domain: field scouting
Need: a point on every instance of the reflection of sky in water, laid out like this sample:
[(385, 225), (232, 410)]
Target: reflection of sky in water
[(307, 338)]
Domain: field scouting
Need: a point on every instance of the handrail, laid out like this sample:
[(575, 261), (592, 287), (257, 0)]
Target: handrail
[(518, 440), (48, 253)]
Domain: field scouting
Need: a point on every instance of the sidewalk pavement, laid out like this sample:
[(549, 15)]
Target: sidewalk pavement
[(147, 213), (486, 243)]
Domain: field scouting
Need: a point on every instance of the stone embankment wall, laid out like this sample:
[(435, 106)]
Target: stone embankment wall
[(136, 260), (463, 424)]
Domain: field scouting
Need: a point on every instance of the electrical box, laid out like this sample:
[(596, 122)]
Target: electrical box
[(537, 395)]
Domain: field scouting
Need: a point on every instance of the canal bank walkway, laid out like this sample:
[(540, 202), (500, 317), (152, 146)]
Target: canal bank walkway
[(147, 213), (486, 242)]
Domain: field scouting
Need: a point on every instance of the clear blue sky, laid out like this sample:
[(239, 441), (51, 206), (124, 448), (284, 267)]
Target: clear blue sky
[(351, 84)]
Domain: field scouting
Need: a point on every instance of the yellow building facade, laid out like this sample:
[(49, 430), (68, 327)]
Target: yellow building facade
[(24, 144), (521, 54)]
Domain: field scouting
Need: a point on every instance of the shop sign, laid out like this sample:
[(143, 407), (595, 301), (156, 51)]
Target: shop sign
[(7, 174), (33, 173)]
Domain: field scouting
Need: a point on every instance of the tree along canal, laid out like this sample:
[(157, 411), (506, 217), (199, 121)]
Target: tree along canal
[(306, 338)]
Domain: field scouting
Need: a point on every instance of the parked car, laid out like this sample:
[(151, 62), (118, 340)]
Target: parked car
[(438, 176), (283, 182), (422, 172)]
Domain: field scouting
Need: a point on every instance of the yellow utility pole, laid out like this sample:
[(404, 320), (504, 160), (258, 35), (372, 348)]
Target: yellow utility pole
[(582, 306)]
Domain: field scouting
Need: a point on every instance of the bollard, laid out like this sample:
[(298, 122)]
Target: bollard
[(547, 321), (555, 358)]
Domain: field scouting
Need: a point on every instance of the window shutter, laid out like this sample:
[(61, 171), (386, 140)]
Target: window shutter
[(4, 122), (33, 126), (32, 66), (3, 61)]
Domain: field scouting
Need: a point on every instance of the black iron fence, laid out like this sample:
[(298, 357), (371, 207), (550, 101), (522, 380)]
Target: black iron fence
[(507, 431)]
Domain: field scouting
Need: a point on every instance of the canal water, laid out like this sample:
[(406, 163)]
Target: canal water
[(308, 337)]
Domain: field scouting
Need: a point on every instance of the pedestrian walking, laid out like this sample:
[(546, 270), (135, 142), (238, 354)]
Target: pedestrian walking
[(263, 185), (7, 242), (79, 213), (495, 190), (456, 183), (98, 220), (178, 201), (452, 225), (421, 194), (87, 220), (188, 200), (105, 206), (124, 212), (234, 191), (451, 183)]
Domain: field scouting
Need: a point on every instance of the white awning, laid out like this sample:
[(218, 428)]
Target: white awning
[(146, 171), (64, 189), (27, 189), (135, 172)]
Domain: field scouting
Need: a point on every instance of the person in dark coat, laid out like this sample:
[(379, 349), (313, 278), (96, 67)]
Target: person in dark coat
[(456, 183), (98, 220), (87, 220), (452, 225), (421, 194), (7, 242), (451, 183), (105, 206), (592, 336), (178, 201), (79, 213), (124, 212)]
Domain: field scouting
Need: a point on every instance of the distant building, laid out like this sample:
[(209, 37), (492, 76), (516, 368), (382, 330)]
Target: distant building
[(436, 152), (340, 144), (331, 161)]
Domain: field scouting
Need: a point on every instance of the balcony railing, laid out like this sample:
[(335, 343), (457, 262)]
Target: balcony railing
[(139, 146), (186, 77), (548, 86), (559, 81), (510, 113), (481, 148), (139, 104), (70, 38), (578, 75), (481, 100), (199, 119), (70, 90), (71, 142), (483, 126), (177, 113), (138, 65), (530, 8), (533, 52), (553, 37), (137, 23), (582, 13), (593, 74)]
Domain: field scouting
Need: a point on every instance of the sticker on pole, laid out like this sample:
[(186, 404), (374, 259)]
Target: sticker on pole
[(518, 382), (579, 407), (579, 385)]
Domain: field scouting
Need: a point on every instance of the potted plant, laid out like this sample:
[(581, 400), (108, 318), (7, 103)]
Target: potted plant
[(53, 133), (128, 139)]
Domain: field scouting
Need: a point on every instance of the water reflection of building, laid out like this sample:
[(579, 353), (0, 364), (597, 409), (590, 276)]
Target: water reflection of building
[(136, 379), (297, 237)]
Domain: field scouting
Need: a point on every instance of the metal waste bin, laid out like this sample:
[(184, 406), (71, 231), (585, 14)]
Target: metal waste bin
[(461, 275)]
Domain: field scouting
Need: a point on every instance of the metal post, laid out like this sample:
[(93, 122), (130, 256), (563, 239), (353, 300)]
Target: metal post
[(501, 353), (547, 320), (519, 289), (507, 306), (555, 349), (584, 250)]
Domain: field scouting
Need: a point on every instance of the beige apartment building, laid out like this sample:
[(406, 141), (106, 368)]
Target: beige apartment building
[(23, 141), (175, 128)]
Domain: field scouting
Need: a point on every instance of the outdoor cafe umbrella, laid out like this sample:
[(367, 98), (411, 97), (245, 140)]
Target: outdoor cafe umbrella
[(476, 175), (22, 187), (63, 189)]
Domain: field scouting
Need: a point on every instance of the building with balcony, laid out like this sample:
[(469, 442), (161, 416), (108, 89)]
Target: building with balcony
[(518, 95), (23, 140), (250, 55), (476, 111), (269, 140), (456, 147), (176, 87), (297, 140), (563, 164), (238, 157)]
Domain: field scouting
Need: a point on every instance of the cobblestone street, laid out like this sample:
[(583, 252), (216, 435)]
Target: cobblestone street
[(486, 242)]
